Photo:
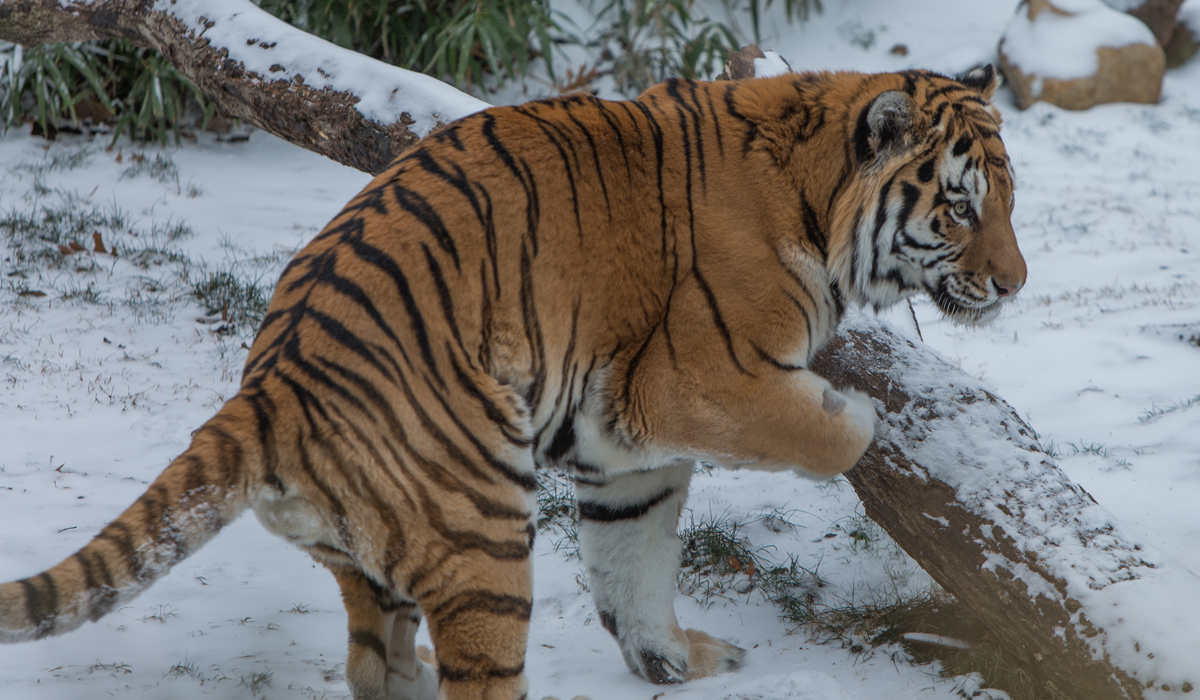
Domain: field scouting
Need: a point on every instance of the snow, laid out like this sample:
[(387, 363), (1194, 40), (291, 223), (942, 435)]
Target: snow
[(1119, 580), (1189, 15), (277, 51), (1094, 353), (771, 64), (1063, 46)]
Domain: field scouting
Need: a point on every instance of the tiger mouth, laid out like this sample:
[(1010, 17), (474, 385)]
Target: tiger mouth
[(961, 313)]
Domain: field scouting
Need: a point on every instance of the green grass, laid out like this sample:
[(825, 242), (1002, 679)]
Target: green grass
[(556, 512), (114, 668), (115, 87), (256, 682), (50, 237), (720, 562), (239, 299), (1156, 411)]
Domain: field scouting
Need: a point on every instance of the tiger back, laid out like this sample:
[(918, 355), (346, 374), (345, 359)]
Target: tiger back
[(615, 289)]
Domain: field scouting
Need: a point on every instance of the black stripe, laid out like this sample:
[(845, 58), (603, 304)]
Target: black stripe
[(656, 132), (595, 158), (102, 594), (680, 102), (774, 362), (472, 601), (804, 311), (435, 470), (464, 540), (632, 368), (41, 603), (716, 121), (526, 480), (812, 227), (512, 432), (454, 675), (490, 238), (533, 331), (609, 622), (602, 106), (925, 172), (447, 303), (370, 640), (384, 262), (855, 264), (118, 533), (532, 206), (751, 130), (422, 211), (718, 319), (564, 439), (458, 180), (862, 136), (601, 513), (546, 127)]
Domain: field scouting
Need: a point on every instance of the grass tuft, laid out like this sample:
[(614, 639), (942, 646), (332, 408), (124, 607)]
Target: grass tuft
[(556, 511), (240, 297), (1155, 411), (256, 682)]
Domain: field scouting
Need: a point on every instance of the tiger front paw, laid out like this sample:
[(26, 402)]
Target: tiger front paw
[(690, 655), (859, 412)]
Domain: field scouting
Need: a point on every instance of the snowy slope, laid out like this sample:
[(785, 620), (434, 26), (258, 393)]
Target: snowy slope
[(96, 398)]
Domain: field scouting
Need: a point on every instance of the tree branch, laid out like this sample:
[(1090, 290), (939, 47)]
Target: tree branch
[(357, 111)]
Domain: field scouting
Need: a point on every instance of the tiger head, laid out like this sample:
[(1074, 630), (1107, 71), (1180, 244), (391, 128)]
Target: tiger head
[(925, 192), (928, 205)]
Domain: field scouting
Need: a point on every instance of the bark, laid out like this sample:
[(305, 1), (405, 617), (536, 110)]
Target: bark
[(299, 104)]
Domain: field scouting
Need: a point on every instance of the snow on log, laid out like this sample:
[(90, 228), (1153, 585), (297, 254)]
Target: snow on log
[(960, 482), (348, 107)]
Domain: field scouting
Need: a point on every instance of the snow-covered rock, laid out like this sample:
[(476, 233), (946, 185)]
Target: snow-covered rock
[(1185, 39), (1080, 53)]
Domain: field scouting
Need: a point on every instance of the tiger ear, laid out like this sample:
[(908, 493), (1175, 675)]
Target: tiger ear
[(886, 127), (983, 78)]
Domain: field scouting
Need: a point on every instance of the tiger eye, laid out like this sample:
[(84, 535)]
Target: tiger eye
[(961, 209)]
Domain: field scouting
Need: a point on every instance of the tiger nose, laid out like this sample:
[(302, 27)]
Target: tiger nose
[(1006, 290)]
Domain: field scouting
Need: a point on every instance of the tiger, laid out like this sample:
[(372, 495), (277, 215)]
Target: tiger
[(615, 289)]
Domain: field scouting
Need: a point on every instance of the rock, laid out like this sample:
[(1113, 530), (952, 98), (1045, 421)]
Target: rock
[(1080, 53), (1185, 39)]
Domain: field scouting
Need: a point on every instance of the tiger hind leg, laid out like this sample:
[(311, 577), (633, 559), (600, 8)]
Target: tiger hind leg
[(383, 662), (627, 535), (479, 617)]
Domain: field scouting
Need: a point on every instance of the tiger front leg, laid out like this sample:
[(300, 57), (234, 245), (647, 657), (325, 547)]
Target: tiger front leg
[(740, 411), (627, 536)]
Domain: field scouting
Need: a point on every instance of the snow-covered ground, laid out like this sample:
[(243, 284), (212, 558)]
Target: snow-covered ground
[(104, 376)]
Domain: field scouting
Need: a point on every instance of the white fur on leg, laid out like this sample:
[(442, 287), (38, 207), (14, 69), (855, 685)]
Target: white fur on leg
[(409, 676), (631, 550)]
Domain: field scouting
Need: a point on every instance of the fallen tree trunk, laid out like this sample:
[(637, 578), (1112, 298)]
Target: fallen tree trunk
[(350, 108), (955, 476), (960, 482)]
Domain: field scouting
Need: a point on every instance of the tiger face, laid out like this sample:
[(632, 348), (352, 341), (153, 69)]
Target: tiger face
[(932, 211)]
